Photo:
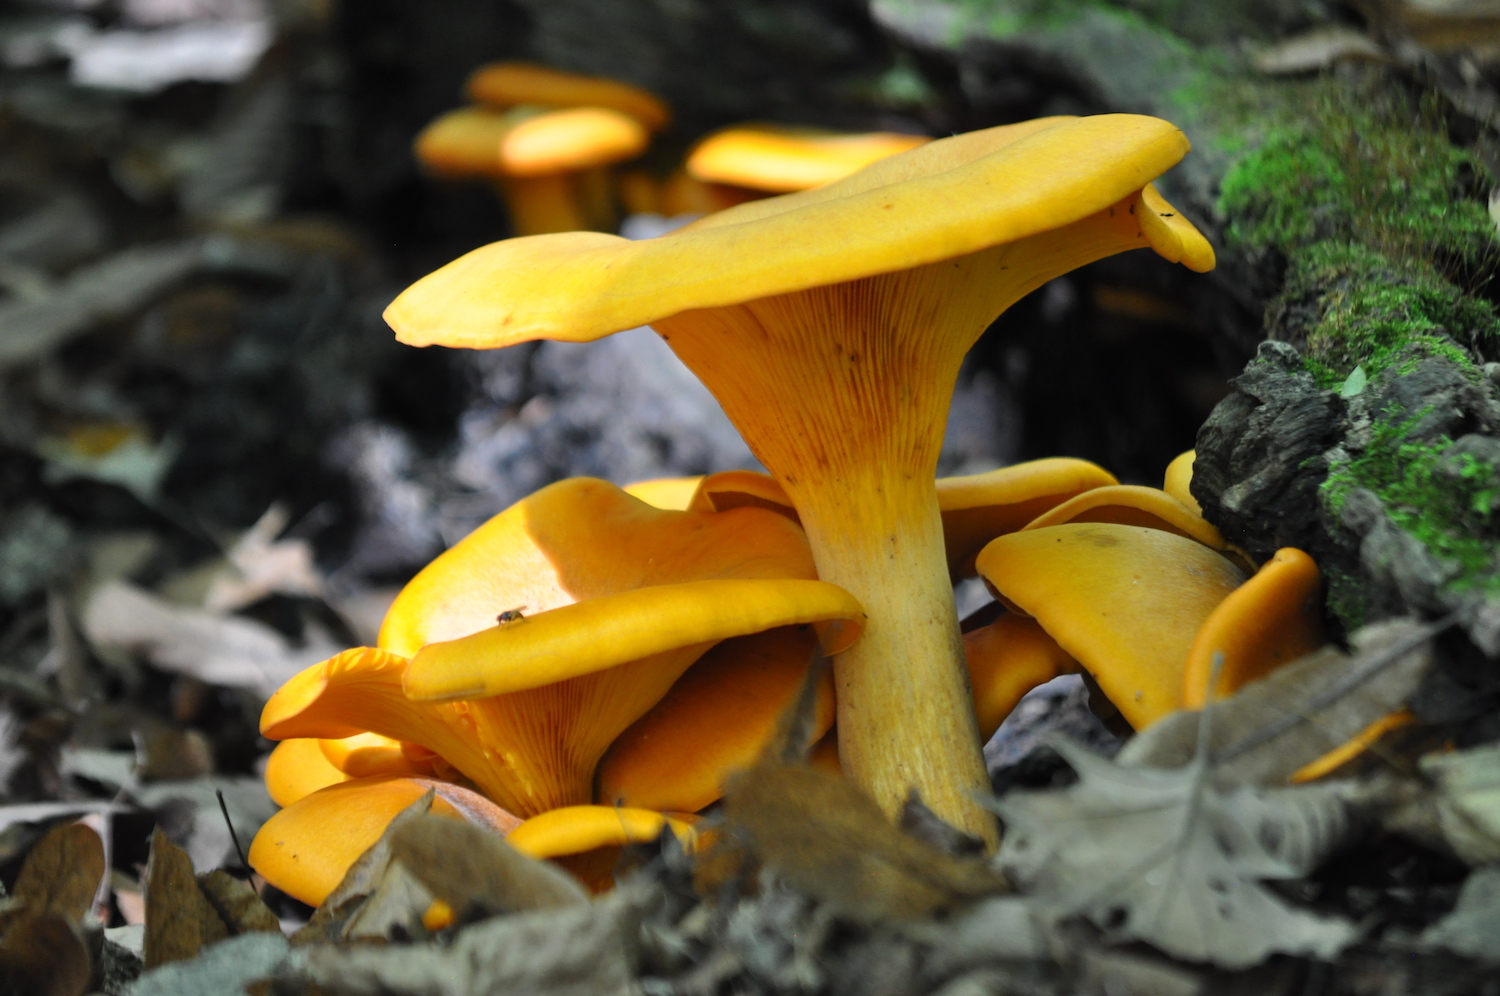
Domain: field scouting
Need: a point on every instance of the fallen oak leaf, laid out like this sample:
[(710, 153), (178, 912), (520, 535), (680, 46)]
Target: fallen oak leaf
[(831, 841), (238, 906), (1171, 858), (1271, 728), (180, 921), (61, 874), (42, 955)]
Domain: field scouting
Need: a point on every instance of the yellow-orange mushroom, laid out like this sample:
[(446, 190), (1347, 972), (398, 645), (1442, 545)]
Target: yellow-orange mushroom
[(1274, 617), (831, 324), (1126, 602), (587, 840), (306, 849)]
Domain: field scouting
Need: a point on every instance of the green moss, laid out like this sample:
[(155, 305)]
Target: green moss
[(1448, 504), (1348, 305), (1361, 167), (1347, 597)]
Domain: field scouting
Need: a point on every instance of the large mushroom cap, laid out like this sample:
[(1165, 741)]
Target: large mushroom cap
[(948, 198), (1126, 602), (781, 159), (508, 84)]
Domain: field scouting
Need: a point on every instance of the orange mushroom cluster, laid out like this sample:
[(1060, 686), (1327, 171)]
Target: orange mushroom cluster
[(548, 140), (628, 649), (589, 668)]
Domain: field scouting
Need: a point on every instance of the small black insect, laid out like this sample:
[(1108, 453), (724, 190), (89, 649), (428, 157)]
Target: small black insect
[(511, 616)]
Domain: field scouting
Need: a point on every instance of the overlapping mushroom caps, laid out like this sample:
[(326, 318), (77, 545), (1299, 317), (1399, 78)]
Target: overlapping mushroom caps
[(544, 137), (830, 324), (557, 624)]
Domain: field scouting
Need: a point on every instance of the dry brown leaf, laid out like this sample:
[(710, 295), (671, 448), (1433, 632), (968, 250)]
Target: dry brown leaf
[(42, 956), (577, 951), (237, 904), (831, 841), (180, 921), (1173, 859), (62, 873), (393, 910), (476, 871), (1317, 49), (218, 649), (259, 564), (1272, 727)]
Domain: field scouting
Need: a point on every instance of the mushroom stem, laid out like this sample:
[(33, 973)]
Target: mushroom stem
[(905, 713), (540, 205)]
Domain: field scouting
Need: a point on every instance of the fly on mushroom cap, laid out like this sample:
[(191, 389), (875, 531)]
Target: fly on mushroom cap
[(1124, 601), (831, 324), (781, 159), (623, 598)]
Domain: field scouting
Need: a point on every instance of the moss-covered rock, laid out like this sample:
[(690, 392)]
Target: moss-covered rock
[(1365, 430)]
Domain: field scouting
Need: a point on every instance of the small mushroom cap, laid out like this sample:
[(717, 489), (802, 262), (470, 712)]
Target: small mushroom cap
[(781, 160), (978, 507), (742, 489), (507, 84), (1124, 601), (577, 829), (1274, 617), (672, 493), (306, 849), (1007, 659), (1346, 752), (1133, 505), (1179, 477), (611, 630), (564, 141), (577, 540), (297, 768), (717, 718), (367, 754), (463, 143), (948, 198)]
